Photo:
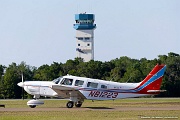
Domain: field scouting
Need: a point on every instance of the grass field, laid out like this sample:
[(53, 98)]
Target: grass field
[(97, 110)]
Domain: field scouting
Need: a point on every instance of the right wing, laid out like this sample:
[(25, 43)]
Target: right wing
[(67, 92)]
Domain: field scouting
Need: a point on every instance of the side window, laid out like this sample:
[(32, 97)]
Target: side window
[(92, 85), (67, 81), (79, 83), (104, 86)]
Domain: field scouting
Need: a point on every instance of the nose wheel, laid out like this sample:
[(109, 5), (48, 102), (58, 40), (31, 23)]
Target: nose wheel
[(32, 106)]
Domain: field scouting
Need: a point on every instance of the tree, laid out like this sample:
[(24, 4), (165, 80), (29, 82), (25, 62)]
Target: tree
[(171, 81), (43, 73), (2, 92), (121, 69), (12, 76)]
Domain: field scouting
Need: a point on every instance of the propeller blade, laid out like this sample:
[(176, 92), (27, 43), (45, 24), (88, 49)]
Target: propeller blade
[(22, 78), (23, 85)]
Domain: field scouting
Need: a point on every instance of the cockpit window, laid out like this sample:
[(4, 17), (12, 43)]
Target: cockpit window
[(56, 81), (67, 81)]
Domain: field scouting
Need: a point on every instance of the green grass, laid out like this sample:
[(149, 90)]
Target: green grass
[(92, 114), (85, 115)]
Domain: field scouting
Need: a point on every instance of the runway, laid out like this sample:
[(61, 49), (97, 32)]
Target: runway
[(90, 108)]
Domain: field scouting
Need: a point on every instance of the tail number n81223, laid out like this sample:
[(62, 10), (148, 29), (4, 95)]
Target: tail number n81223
[(103, 94)]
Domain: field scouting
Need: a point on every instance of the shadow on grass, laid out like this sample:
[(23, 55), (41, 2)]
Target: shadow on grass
[(102, 108)]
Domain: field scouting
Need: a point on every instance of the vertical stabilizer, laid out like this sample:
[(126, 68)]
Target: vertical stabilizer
[(152, 82)]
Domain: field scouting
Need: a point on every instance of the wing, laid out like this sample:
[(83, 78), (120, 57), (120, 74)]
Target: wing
[(67, 92)]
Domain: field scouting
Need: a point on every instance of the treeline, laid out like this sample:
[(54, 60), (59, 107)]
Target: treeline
[(123, 69)]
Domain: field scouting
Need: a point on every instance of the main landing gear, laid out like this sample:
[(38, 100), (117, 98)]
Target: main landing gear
[(70, 104)]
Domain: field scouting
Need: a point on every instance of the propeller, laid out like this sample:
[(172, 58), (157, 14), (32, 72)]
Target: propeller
[(22, 78), (23, 86)]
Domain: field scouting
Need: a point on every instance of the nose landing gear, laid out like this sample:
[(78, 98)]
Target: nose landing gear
[(34, 103)]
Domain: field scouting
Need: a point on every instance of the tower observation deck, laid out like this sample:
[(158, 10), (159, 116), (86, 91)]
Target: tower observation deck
[(84, 25)]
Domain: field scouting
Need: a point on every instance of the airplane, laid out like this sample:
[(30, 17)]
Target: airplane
[(77, 89)]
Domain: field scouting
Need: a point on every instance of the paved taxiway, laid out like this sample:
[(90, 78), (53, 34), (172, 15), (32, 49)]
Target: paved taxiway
[(93, 108)]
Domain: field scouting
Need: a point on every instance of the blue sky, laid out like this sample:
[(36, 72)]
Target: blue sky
[(41, 31)]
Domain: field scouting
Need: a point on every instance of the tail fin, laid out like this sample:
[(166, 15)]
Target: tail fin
[(152, 83)]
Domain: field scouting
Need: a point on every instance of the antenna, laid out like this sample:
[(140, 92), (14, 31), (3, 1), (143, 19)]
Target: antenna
[(90, 6), (77, 8), (128, 80), (113, 77)]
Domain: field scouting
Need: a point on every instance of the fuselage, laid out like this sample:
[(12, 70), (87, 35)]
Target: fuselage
[(93, 89)]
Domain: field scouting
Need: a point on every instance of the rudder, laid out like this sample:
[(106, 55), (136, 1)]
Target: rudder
[(152, 83)]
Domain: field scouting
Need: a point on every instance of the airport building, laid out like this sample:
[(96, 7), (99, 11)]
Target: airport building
[(84, 25)]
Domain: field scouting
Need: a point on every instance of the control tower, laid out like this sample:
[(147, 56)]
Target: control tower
[(85, 36)]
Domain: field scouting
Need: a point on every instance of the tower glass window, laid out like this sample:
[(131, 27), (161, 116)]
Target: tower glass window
[(86, 38), (80, 38)]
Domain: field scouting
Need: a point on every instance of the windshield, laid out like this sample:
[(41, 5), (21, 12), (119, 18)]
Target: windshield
[(56, 81)]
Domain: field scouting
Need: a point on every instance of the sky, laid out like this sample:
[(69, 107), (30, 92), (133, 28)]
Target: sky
[(41, 32)]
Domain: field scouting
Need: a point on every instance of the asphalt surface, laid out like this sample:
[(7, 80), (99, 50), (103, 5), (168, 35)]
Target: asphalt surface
[(92, 108)]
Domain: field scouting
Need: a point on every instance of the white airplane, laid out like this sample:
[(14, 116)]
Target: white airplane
[(80, 88)]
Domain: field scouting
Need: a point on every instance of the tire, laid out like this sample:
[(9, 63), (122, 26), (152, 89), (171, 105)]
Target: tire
[(32, 106), (70, 104), (78, 104)]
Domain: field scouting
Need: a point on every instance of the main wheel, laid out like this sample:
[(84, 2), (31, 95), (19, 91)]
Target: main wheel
[(70, 104), (78, 104), (32, 106)]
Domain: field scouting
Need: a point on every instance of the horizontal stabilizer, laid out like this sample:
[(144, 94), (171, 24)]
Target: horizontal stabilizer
[(154, 91)]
